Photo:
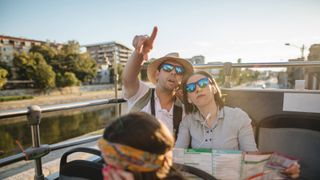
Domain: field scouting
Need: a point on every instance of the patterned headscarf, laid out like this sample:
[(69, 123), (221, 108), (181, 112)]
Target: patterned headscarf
[(130, 158)]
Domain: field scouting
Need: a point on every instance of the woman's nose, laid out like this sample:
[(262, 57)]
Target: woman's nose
[(198, 89)]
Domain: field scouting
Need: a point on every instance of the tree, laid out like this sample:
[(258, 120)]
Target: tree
[(33, 66), (48, 52), (67, 79), (72, 47), (85, 68), (42, 73), (44, 77), (3, 75), (23, 66), (4, 65), (70, 59)]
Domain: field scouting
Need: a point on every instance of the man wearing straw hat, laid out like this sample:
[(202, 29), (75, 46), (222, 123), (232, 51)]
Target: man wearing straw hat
[(165, 73)]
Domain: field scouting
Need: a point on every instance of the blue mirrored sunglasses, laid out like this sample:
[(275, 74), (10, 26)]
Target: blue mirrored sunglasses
[(202, 83), (169, 67)]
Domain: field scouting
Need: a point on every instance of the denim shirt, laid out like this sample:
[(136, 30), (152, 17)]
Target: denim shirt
[(231, 130)]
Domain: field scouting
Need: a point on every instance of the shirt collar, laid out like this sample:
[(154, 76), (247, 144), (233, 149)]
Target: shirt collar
[(156, 99), (197, 116)]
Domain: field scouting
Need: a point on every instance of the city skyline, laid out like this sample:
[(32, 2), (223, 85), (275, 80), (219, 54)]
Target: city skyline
[(220, 31)]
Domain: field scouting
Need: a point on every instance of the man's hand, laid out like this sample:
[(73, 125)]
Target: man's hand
[(143, 44)]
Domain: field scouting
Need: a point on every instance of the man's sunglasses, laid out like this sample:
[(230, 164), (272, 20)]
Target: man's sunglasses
[(169, 67), (202, 83)]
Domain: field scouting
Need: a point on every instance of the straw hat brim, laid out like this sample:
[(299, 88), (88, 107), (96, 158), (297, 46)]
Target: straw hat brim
[(153, 67)]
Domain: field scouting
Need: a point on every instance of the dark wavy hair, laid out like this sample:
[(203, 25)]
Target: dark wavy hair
[(143, 131), (189, 107)]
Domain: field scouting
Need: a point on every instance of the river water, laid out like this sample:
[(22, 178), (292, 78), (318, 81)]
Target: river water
[(54, 127)]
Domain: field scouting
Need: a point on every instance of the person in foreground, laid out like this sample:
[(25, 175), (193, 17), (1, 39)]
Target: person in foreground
[(137, 146), (210, 124)]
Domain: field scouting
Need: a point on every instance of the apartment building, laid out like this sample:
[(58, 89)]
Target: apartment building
[(105, 55), (9, 45)]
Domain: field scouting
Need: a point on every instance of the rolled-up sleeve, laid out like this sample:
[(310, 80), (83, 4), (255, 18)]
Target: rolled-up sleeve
[(183, 139), (246, 136), (143, 89)]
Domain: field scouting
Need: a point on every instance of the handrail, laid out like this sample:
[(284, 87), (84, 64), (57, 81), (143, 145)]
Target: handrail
[(260, 65), (59, 107), (310, 63), (21, 112), (21, 156)]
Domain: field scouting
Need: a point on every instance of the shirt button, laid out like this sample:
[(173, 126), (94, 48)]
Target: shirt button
[(210, 130), (206, 140), (207, 131), (210, 139)]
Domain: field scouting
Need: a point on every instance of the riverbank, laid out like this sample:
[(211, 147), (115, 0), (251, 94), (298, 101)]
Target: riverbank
[(59, 99)]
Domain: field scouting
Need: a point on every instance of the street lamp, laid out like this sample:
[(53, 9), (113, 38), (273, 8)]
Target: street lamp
[(301, 48)]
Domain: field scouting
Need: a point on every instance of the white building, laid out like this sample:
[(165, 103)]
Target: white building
[(105, 55)]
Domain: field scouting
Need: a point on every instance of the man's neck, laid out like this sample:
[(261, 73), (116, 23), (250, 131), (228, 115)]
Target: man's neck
[(166, 98)]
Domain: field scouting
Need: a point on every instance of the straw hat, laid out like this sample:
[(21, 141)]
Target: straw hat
[(153, 66)]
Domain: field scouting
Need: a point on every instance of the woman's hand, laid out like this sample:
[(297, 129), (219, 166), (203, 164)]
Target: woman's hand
[(143, 44), (293, 171)]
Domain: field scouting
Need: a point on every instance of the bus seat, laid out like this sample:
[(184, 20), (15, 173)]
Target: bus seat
[(294, 136)]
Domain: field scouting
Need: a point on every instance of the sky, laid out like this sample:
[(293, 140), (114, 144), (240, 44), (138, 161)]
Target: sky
[(220, 30)]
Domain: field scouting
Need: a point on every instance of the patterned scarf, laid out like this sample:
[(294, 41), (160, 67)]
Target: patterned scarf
[(126, 157)]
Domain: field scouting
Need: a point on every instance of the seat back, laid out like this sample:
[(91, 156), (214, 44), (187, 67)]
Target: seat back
[(294, 135), (81, 169)]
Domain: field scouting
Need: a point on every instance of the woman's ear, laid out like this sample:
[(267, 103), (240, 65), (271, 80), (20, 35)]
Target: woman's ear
[(189, 101)]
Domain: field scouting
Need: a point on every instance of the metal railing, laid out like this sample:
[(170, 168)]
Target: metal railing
[(227, 67), (260, 65), (38, 150), (51, 108)]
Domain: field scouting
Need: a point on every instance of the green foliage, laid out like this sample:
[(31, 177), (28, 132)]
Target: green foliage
[(69, 59), (33, 66), (49, 53), (43, 74), (14, 98), (3, 75), (67, 79), (42, 62), (4, 65), (72, 47), (22, 64), (85, 68)]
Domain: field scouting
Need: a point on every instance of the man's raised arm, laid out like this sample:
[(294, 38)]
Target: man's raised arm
[(142, 44)]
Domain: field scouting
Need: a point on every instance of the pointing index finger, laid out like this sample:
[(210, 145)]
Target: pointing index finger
[(154, 33)]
